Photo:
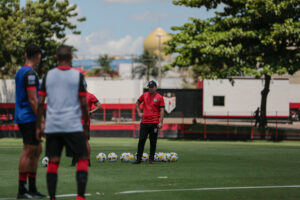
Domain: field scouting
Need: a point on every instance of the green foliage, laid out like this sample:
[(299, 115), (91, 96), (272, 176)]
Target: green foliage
[(42, 22), (11, 47), (250, 37), (148, 65), (93, 72), (104, 61)]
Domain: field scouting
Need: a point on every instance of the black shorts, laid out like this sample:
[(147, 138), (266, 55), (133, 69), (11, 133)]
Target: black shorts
[(75, 144), (28, 132), (148, 129)]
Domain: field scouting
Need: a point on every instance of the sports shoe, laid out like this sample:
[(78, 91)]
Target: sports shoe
[(137, 162), (26, 195), (80, 198), (37, 195)]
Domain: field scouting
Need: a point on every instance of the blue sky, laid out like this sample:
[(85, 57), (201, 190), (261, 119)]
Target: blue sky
[(119, 27)]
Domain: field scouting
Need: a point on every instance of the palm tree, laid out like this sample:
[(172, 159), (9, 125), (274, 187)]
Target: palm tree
[(104, 61), (148, 65)]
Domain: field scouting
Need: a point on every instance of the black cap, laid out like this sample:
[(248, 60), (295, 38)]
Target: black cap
[(152, 84)]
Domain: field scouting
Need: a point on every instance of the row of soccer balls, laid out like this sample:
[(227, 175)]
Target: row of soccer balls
[(128, 157)]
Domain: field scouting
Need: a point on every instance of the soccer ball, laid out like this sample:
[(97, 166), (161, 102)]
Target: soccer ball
[(145, 157), (160, 155), (112, 157), (122, 157), (174, 154), (168, 156), (45, 161), (101, 157), (173, 158), (126, 157), (165, 157), (156, 157), (130, 157)]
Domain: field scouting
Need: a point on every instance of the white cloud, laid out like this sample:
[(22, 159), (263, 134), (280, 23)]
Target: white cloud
[(102, 42), (134, 1)]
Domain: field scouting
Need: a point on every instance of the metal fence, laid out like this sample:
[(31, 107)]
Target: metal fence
[(118, 119)]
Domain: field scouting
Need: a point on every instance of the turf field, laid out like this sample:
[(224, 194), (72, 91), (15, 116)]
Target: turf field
[(208, 165)]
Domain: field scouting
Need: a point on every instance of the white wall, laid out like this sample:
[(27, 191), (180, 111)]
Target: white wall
[(107, 91), (243, 98), (294, 93), (115, 91), (125, 69)]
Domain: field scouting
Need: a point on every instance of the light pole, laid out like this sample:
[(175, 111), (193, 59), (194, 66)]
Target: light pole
[(132, 66)]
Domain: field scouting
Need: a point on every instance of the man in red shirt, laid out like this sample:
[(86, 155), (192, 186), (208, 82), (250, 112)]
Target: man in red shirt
[(152, 120), (93, 106)]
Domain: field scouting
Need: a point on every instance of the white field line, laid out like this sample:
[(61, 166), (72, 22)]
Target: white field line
[(70, 195), (58, 196), (207, 189)]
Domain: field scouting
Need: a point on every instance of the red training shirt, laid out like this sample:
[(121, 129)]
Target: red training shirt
[(91, 100), (151, 108)]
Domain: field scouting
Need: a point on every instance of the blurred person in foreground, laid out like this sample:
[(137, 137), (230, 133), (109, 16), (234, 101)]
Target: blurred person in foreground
[(93, 105), (65, 90), (27, 85)]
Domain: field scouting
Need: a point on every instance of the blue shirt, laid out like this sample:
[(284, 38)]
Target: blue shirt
[(25, 79)]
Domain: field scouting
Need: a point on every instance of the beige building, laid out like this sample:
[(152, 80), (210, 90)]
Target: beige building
[(294, 79)]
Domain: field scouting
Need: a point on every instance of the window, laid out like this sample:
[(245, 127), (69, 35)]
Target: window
[(218, 100)]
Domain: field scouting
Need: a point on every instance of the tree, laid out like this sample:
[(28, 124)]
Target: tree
[(249, 37), (42, 22), (11, 46), (148, 65), (46, 24), (105, 61)]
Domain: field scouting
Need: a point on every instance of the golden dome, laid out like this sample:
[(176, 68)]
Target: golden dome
[(152, 45)]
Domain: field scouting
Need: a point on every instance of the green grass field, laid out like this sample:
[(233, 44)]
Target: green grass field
[(200, 165)]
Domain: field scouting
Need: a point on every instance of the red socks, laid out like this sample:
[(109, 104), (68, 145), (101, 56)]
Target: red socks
[(31, 175), (52, 179), (81, 177), (22, 176), (52, 168), (82, 165)]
